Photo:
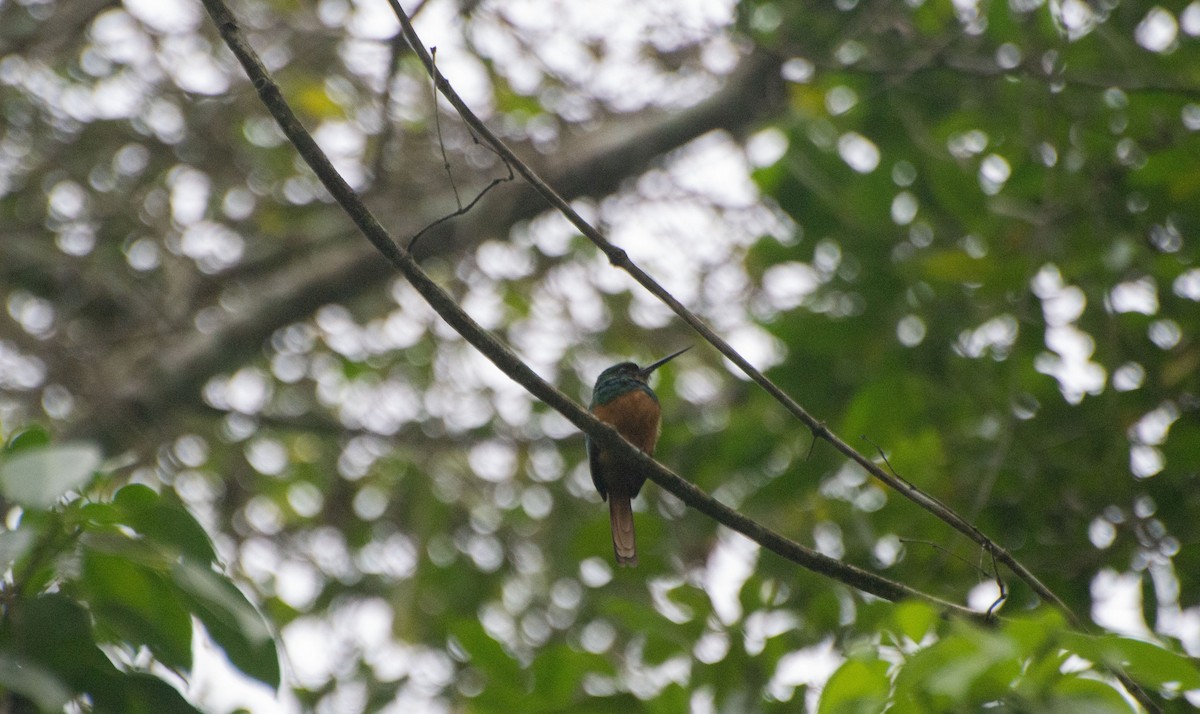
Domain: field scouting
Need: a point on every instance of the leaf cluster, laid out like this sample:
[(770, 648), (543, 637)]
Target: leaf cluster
[(104, 597)]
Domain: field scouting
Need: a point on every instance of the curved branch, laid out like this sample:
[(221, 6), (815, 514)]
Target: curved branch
[(512, 365), (620, 259), (338, 271)]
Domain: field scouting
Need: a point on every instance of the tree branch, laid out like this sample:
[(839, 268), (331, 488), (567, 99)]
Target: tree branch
[(620, 259), (337, 271), (512, 365)]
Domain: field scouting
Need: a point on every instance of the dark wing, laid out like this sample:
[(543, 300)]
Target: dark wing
[(593, 452)]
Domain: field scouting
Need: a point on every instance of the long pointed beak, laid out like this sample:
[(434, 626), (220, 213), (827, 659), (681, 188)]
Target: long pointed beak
[(647, 370)]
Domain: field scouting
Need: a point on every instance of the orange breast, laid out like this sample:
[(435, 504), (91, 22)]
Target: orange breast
[(636, 415)]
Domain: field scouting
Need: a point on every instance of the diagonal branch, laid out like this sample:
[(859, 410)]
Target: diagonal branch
[(512, 365), (335, 270), (620, 259)]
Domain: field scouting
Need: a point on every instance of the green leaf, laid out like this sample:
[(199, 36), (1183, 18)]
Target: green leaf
[(53, 632), (138, 605), (28, 438), (38, 477), (1036, 630), (33, 682), (231, 620), (145, 694), (915, 619), (967, 668), (163, 521), (1146, 662), (858, 686), (1081, 695)]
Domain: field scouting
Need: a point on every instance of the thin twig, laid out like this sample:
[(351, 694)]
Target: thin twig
[(446, 164), (1003, 595), (993, 575), (437, 123), (462, 209), (943, 549)]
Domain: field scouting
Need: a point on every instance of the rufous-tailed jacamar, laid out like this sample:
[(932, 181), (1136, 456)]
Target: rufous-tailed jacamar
[(622, 398)]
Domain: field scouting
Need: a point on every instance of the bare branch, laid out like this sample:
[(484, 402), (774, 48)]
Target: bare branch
[(331, 269), (446, 165), (512, 365), (620, 259)]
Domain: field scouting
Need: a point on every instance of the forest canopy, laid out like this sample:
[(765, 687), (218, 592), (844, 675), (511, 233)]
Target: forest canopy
[(939, 448)]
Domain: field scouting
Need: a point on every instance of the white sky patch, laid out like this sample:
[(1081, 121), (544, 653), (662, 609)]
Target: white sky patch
[(811, 666), (910, 330), (344, 143), (798, 70), (189, 194), (994, 172), (246, 391), (220, 687), (376, 21), (996, 336), (983, 596), (759, 347), (117, 37), (1128, 377), (1076, 17), (840, 100), (1134, 296), (1153, 427), (316, 643), (214, 246), (1157, 31), (730, 563), (1187, 285), (166, 16), (766, 147), (967, 144), (714, 167), (190, 63), (1071, 349), (1166, 334), (35, 315), (859, 152), (1189, 20), (1117, 603), (904, 208), (786, 285), (118, 97), (1146, 459), (267, 456)]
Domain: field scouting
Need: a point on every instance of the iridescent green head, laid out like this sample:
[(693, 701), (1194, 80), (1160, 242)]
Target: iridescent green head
[(625, 377)]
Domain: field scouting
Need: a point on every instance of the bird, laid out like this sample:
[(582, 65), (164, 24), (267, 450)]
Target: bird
[(623, 399)]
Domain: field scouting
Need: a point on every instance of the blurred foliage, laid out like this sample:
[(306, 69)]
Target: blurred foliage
[(96, 585), (967, 239)]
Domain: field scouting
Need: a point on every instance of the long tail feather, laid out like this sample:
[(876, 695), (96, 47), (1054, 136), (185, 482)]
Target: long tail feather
[(620, 513)]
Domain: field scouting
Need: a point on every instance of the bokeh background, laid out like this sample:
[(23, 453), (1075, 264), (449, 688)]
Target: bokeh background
[(965, 233)]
